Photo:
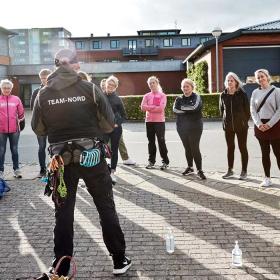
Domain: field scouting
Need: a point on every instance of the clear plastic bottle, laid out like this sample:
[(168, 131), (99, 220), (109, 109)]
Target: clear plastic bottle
[(169, 241), (236, 256)]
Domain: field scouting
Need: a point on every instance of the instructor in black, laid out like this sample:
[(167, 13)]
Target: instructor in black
[(65, 110)]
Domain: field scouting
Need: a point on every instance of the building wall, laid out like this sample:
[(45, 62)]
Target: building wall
[(3, 72), (136, 83)]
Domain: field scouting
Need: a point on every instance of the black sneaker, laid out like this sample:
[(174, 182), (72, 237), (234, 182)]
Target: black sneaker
[(164, 166), (201, 175), (42, 173), (243, 175), (150, 165), (229, 174), (188, 171), (121, 267)]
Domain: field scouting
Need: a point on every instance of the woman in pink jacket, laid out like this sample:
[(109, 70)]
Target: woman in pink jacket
[(11, 113), (153, 104)]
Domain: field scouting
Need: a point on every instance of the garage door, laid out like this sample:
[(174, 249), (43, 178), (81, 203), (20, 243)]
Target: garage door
[(244, 61)]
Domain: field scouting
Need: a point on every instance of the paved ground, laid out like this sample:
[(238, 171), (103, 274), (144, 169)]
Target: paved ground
[(206, 217)]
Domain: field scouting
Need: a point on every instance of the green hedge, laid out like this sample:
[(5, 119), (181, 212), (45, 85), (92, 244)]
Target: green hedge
[(132, 106)]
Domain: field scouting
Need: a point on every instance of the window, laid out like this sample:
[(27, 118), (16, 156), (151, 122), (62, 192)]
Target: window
[(149, 43), (61, 34), (96, 44), (79, 45), (46, 33), (21, 34), (21, 42), (132, 44), (186, 41), (168, 42), (114, 44), (204, 39)]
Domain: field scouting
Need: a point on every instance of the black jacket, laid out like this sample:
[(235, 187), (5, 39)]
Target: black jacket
[(65, 108), (188, 111), (235, 110), (34, 95), (117, 107)]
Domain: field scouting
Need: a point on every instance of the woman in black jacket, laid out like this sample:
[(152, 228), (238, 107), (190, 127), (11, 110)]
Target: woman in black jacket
[(189, 124), (235, 110)]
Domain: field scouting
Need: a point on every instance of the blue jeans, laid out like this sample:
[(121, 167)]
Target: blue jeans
[(13, 139), (42, 141)]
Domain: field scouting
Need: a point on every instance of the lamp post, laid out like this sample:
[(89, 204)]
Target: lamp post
[(217, 33)]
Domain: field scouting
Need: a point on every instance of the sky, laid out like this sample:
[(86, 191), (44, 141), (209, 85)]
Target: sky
[(126, 17)]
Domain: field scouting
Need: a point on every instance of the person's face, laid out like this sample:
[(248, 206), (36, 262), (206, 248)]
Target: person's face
[(262, 79), (6, 89), (232, 84), (187, 88), (153, 85), (103, 86), (110, 87), (43, 79)]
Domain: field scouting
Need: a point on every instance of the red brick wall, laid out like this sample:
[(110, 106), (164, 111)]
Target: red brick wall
[(136, 83), (91, 56)]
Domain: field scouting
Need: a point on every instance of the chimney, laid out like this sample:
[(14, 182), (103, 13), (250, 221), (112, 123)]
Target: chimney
[(91, 34), (108, 34)]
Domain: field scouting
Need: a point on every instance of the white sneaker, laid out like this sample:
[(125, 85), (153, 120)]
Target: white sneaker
[(81, 183), (266, 182), (1, 174), (17, 174), (129, 161), (114, 178)]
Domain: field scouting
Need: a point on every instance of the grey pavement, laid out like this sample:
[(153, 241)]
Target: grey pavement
[(206, 218)]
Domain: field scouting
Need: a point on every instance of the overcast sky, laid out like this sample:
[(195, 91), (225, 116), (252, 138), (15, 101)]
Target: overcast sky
[(125, 17)]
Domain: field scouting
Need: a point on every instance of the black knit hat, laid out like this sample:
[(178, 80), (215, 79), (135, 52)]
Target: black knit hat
[(65, 56)]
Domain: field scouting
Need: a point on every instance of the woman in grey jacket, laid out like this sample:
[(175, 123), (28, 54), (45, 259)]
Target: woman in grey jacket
[(266, 118)]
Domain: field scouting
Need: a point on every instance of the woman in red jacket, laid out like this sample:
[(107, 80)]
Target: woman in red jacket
[(11, 113)]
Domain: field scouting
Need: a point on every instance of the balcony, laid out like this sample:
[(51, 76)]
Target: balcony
[(140, 51)]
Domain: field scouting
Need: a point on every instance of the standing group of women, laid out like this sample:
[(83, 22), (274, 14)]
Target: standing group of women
[(264, 108), (235, 109)]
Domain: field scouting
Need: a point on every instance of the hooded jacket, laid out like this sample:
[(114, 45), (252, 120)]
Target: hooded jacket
[(235, 110), (65, 109), (11, 112)]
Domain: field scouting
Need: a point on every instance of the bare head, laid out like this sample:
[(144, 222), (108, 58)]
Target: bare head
[(43, 74)]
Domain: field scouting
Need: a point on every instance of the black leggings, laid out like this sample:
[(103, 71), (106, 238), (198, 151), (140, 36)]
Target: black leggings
[(265, 147), (190, 140), (242, 144)]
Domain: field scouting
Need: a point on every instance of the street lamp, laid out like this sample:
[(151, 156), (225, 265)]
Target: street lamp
[(217, 33)]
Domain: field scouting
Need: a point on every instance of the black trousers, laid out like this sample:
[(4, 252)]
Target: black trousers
[(191, 139), (99, 186), (242, 144), (114, 137), (153, 130), (265, 148)]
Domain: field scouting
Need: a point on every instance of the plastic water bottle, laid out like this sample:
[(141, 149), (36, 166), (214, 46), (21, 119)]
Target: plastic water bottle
[(236, 256), (169, 241)]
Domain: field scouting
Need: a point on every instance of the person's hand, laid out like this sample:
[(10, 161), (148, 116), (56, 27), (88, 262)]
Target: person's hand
[(261, 127), (266, 127)]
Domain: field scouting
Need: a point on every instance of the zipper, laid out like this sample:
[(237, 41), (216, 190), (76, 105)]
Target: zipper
[(8, 114), (231, 113)]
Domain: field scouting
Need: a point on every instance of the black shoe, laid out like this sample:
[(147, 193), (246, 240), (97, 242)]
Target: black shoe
[(228, 175), (150, 165), (188, 171), (121, 267), (201, 175), (42, 173), (44, 276), (164, 166)]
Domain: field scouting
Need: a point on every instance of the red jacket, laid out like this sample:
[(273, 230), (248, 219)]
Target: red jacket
[(11, 112)]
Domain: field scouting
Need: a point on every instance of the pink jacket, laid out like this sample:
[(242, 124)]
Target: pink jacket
[(153, 104), (11, 112)]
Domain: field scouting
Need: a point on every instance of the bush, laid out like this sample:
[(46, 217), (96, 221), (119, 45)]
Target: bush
[(132, 105), (199, 74)]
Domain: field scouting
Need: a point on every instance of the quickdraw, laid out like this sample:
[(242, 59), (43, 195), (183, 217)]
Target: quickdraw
[(55, 180), (90, 158)]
